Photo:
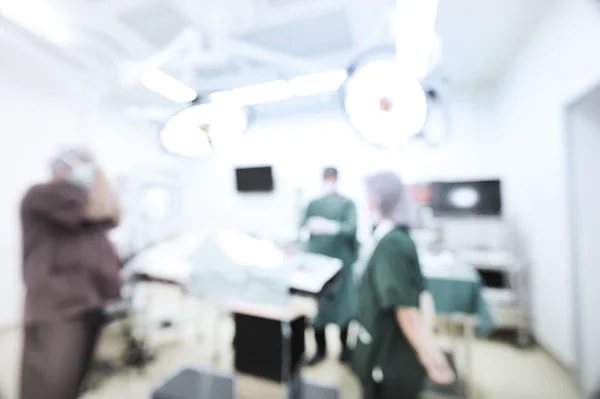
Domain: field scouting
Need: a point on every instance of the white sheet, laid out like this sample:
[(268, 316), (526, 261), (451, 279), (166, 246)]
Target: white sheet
[(173, 261), (445, 265), (312, 271), (168, 260)]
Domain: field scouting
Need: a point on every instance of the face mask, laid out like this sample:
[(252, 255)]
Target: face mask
[(83, 176), (375, 216), (329, 188)]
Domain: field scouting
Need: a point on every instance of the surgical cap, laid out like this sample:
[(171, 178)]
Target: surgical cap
[(392, 197), (330, 172), (71, 157)]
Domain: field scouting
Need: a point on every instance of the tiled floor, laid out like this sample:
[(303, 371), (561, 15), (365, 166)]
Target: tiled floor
[(500, 371)]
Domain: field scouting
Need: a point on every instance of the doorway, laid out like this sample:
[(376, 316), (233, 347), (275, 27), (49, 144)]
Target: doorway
[(583, 164)]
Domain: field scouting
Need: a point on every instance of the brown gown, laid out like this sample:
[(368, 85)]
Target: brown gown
[(70, 271)]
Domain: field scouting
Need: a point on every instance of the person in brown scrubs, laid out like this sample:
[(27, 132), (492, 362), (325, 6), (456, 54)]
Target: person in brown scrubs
[(70, 271)]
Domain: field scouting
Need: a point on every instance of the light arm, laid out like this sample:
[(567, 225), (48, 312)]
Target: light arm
[(411, 324), (416, 330), (418, 325)]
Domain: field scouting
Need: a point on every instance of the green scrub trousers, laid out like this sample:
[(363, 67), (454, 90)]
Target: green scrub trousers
[(392, 280)]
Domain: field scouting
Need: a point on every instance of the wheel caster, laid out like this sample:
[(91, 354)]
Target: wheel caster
[(523, 341)]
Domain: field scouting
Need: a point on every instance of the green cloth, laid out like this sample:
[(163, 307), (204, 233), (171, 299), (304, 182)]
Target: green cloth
[(391, 280), (461, 296), (339, 306)]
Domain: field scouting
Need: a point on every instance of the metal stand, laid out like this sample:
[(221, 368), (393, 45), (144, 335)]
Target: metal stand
[(215, 356), (469, 326), (286, 362)]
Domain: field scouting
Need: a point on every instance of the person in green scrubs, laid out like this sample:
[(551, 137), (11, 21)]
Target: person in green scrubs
[(331, 223), (394, 352)]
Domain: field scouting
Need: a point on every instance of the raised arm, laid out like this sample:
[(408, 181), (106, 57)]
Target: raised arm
[(102, 205)]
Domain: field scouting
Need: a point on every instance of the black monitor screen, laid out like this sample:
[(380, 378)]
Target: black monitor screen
[(477, 198), (255, 179)]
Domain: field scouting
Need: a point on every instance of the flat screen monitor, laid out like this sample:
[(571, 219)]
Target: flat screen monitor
[(254, 179), (466, 198)]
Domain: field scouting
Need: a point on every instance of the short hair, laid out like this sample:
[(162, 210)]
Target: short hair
[(330, 172)]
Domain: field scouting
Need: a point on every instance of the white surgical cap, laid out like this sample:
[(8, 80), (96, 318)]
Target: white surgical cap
[(71, 157), (392, 197)]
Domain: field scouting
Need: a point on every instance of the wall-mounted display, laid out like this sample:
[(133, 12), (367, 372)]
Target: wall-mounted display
[(254, 179), (467, 198), (464, 198)]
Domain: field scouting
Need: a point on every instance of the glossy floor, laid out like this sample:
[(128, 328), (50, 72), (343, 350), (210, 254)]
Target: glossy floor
[(500, 371)]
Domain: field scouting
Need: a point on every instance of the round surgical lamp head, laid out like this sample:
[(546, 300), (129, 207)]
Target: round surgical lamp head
[(196, 130), (385, 106)]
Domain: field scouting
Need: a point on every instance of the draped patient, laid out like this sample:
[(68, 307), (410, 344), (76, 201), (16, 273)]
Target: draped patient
[(70, 271)]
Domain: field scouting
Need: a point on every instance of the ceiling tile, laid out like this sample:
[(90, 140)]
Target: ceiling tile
[(156, 21), (307, 37)]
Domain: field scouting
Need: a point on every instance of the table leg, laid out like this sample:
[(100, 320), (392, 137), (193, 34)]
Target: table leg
[(216, 355), (454, 336), (469, 332)]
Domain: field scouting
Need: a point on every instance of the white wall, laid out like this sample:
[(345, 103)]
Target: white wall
[(300, 145), (584, 164), (558, 64), (35, 121)]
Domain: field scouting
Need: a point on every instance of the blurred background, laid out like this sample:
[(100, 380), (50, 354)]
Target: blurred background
[(509, 101)]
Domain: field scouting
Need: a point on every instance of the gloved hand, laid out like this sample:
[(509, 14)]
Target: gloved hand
[(323, 226)]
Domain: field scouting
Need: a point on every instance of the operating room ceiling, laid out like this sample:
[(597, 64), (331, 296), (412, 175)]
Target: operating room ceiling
[(241, 42)]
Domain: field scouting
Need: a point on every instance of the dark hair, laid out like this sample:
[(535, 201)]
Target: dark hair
[(330, 172)]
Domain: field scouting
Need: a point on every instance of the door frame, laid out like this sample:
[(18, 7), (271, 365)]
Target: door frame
[(570, 111)]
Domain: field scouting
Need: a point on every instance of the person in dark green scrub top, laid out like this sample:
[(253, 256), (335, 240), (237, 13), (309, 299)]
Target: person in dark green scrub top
[(331, 223), (394, 351)]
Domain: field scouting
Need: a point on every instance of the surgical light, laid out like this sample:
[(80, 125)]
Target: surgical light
[(276, 90), (317, 83), (385, 106), (415, 35), (39, 17), (198, 129), (167, 86), (437, 128)]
